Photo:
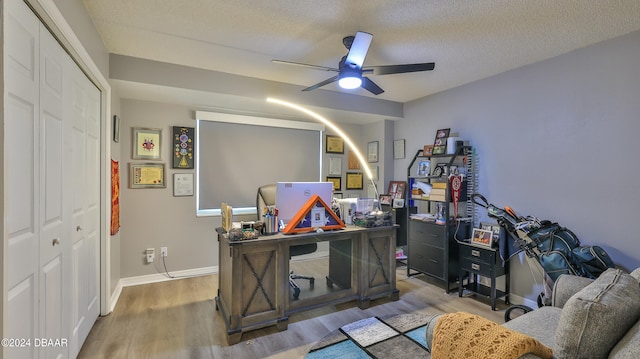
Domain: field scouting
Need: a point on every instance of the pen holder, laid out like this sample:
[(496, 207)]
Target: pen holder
[(270, 224)]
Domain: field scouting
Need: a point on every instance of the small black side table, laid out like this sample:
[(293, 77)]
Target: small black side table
[(484, 261)]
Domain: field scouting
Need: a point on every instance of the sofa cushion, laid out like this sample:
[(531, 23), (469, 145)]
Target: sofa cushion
[(540, 324), (629, 346), (598, 316), (636, 274)]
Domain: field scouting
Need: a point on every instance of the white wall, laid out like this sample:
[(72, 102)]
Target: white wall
[(555, 139)]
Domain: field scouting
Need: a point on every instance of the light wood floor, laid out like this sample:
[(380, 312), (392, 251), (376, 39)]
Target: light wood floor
[(178, 319)]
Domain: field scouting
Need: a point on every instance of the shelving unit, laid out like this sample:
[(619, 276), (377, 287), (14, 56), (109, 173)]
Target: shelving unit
[(434, 226)]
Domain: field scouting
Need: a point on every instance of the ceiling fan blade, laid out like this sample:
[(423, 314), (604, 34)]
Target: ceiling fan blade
[(315, 67), (358, 50), (320, 84), (399, 69), (371, 86)]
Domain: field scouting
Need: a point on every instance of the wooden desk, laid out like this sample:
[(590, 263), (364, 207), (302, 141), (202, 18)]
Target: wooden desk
[(253, 289)]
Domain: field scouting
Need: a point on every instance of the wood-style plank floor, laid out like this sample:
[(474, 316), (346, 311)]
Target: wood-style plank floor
[(178, 319)]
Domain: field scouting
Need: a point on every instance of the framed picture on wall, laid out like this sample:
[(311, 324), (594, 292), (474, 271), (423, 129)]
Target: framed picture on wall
[(146, 143), (337, 182), (354, 180), (146, 175), (334, 144), (335, 166), (372, 151), (183, 147), (398, 149)]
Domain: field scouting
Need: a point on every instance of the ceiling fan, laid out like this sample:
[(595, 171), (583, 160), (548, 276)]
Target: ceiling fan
[(350, 68)]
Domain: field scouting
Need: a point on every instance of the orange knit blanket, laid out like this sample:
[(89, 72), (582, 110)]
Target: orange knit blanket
[(464, 335)]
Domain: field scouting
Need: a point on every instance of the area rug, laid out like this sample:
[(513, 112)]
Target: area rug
[(401, 336)]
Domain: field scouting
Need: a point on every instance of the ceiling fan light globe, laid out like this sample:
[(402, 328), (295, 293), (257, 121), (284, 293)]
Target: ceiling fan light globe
[(350, 82)]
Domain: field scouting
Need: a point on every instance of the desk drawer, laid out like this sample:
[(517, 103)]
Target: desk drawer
[(472, 253)]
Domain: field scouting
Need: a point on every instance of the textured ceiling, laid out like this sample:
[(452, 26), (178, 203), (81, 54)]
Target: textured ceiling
[(468, 40)]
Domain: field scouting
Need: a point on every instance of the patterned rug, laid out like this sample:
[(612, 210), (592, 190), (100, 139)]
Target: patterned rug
[(398, 337)]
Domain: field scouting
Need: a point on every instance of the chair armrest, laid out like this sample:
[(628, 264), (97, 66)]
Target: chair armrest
[(565, 287)]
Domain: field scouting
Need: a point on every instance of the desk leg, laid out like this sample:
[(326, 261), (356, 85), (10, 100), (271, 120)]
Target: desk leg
[(364, 303), (233, 337), (395, 295)]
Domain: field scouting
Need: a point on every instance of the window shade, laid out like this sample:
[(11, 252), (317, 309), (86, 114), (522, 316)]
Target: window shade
[(237, 154)]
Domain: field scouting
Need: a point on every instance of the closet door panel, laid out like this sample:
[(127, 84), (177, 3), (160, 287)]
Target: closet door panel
[(21, 153), (55, 223)]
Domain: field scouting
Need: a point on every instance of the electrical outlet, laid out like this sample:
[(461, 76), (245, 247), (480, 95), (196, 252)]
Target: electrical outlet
[(164, 251), (150, 253)]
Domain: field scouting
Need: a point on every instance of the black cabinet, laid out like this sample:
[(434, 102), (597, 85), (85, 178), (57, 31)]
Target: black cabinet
[(477, 261), (438, 219), (433, 250)]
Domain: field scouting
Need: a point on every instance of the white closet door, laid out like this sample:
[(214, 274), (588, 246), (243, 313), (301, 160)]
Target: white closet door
[(22, 158), (55, 220), (52, 157), (84, 109)]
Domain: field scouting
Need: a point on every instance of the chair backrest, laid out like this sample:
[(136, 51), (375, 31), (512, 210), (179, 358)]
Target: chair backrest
[(266, 196)]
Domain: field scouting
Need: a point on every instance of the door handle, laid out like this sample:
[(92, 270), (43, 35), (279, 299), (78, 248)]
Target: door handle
[(78, 228), (55, 242)]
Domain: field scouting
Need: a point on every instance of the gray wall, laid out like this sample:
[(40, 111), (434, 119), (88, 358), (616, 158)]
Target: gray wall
[(153, 218), (556, 139)]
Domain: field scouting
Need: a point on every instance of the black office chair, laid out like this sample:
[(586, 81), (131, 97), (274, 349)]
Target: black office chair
[(267, 197)]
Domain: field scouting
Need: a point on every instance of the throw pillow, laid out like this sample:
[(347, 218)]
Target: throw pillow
[(594, 319)]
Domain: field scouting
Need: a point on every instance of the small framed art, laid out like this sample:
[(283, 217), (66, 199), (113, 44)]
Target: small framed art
[(335, 166), (334, 144), (372, 151), (183, 147), (396, 189), (385, 199), (440, 143), (494, 228), (337, 182), (116, 128), (146, 143), (482, 237), (182, 184), (146, 175), (354, 180), (398, 149)]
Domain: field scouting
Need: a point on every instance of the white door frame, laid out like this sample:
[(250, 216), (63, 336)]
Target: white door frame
[(52, 17)]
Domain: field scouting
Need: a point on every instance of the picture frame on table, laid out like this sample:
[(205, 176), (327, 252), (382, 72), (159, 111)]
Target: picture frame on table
[(334, 144), (385, 199), (337, 182), (146, 143), (396, 189), (494, 228), (482, 237), (372, 151), (147, 175)]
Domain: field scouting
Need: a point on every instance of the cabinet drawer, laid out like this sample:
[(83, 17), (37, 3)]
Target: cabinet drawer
[(483, 269), (427, 259), (476, 254), (427, 233)]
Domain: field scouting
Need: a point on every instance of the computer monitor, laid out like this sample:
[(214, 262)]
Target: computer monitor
[(291, 196)]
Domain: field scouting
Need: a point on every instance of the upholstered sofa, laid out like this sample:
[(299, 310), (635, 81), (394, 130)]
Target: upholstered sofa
[(586, 319)]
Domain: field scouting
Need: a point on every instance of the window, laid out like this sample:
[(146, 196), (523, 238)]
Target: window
[(237, 154)]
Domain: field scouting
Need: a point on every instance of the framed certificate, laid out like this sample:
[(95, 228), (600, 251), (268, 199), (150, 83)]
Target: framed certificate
[(334, 144), (354, 180), (146, 175)]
